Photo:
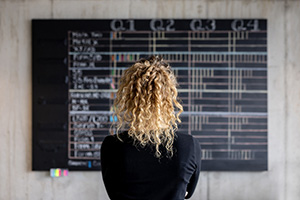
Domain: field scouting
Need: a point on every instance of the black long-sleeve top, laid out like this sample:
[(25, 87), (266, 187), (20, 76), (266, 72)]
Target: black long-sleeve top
[(134, 173)]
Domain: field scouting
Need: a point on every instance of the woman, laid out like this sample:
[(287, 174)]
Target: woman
[(149, 160)]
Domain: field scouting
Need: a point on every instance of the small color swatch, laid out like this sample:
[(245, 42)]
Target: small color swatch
[(57, 172)]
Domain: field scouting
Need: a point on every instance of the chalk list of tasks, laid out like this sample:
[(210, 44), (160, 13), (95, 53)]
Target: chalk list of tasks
[(90, 97)]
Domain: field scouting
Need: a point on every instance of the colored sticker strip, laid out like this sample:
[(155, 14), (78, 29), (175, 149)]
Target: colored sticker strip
[(57, 172)]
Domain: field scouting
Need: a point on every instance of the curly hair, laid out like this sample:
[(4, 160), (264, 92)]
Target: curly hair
[(145, 103)]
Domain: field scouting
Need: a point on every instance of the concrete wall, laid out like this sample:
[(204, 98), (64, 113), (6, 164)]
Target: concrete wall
[(281, 182)]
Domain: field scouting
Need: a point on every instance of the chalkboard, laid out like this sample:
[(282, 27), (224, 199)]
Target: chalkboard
[(220, 64)]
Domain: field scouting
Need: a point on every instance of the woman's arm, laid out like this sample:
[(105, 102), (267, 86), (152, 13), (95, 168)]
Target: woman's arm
[(194, 179)]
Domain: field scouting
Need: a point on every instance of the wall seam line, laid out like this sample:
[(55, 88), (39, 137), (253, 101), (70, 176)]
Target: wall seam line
[(285, 103)]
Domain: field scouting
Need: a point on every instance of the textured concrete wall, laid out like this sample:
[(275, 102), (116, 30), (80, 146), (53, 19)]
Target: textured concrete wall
[(281, 182)]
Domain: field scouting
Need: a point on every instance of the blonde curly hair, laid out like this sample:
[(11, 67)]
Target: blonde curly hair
[(144, 105)]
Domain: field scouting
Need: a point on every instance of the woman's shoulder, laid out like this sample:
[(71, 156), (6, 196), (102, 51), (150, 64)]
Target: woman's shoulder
[(116, 138), (184, 137), (109, 138), (110, 143), (187, 141)]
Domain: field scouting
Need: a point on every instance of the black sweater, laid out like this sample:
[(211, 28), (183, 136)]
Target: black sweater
[(135, 174)]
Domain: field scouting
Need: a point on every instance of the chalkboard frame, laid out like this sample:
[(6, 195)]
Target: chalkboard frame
[(49, 63)]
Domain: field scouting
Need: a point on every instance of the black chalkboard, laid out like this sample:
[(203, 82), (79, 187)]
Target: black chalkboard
[(221, 66)]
